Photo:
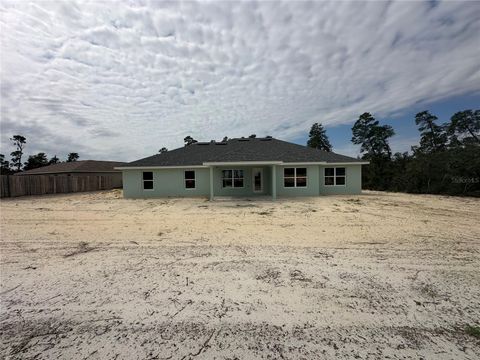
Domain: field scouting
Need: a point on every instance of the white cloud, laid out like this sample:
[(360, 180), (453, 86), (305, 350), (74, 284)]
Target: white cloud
[(120, 82)]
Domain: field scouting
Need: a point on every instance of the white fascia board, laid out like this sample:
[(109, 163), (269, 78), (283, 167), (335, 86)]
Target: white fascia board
[(348, 163), (160, 167), (239, 163), (304, 163)]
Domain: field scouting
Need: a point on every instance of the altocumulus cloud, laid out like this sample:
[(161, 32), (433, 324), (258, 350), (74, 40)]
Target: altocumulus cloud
[(121, 80)]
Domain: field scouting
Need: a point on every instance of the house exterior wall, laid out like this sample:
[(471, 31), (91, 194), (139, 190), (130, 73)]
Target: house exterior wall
[(353, 181), (170, 182), (166, 182), (311, 189)]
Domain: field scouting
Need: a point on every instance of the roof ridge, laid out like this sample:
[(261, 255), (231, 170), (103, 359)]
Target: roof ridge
[(238, 149)]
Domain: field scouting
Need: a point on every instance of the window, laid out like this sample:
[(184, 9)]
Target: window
[(232, 178), (335, 177), (147, 180), (295, 177), (189, 179)]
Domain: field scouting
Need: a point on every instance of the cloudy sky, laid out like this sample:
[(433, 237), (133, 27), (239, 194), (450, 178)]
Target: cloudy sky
[(119, 80)]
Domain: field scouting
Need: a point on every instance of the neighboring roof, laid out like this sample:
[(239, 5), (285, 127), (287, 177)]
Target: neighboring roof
[(81, 166), (241, 150)]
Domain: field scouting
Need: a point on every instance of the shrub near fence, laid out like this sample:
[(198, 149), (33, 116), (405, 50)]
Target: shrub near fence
[(12, 186)]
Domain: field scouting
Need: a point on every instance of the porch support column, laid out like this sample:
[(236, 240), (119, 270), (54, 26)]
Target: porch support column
[(211, 182), (274, 182)]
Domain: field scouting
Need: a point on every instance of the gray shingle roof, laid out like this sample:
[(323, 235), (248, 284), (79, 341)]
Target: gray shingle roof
[(243, 149), (75, 167)]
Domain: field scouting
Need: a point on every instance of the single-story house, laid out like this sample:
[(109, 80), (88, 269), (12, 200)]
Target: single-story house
[(242, 167), (81, 168)]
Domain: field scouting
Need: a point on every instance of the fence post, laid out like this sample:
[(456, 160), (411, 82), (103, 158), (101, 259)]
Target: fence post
[(8, 186)]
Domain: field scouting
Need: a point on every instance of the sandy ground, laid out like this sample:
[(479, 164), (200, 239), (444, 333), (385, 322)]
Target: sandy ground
[(373, 276)]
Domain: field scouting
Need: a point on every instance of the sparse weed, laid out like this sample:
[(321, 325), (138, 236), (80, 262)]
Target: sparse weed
[(354, 201), (428, 290), (82, 248), (269, 276), (473, 331)]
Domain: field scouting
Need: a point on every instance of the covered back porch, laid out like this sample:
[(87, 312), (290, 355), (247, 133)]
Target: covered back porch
[(243, 180)]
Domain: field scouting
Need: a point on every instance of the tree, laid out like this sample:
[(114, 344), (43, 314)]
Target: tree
[(318, 139), (399, 163), (225, 139), (72, 157), (19, 142), (372, 137), (4, 166), (466, 125), (189, 140), (432, 136), (381, 135), (54, 160), (253, 136), (434, 167), (36, 161), (163, 150)]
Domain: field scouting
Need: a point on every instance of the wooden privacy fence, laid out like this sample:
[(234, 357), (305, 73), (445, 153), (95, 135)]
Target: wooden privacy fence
[(11, 185)]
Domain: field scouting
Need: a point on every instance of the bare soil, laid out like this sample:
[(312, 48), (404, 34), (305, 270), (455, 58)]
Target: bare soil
[(373, 276)]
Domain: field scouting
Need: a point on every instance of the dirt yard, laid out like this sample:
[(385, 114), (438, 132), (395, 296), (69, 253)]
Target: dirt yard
[(369, 277)]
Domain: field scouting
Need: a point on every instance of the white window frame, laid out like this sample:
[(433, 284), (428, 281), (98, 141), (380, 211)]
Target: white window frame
[(233, 179), (295, 177), (335, 176), (185, 179), (153, 181)]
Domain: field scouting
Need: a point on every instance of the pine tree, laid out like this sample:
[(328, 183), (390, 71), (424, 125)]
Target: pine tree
[(318, 139), (372, 137), (466, 125), (36, 161), (54, 160), (4, 166), (72, 157), (433, 137), (19, 141)]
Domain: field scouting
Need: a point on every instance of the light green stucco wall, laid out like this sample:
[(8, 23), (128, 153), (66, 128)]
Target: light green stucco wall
[(312, 182), (353, 181), (170, 182), (166, 182)]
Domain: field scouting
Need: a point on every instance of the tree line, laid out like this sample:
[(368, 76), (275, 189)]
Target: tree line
[(33, 161), (446, 160)]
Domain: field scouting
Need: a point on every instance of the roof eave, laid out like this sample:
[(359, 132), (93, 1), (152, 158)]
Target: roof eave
[(230, 163), (153, 167), (240, 163), (348, 163)]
